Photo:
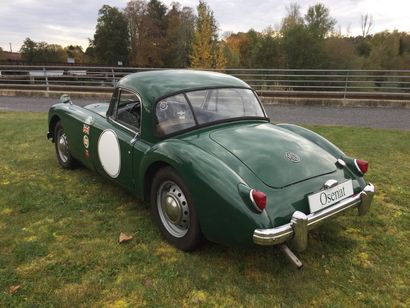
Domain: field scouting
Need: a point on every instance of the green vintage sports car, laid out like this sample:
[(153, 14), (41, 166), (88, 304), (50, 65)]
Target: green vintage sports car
[(199, 146)]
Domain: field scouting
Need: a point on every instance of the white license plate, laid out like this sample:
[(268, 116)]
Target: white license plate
[(325, 198)]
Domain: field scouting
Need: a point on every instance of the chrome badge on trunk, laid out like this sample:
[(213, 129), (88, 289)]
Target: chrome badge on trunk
[(293, 157)]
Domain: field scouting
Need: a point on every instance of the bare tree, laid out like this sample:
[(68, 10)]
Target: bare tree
[(293, 18), (367, 24), (135, 12)]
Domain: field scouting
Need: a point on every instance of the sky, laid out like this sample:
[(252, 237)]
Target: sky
[(72, 22)]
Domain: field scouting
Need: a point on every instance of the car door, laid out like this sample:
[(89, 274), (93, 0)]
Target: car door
[(116, 140)]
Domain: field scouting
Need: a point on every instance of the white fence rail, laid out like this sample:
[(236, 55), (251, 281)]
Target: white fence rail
[(391, 84)]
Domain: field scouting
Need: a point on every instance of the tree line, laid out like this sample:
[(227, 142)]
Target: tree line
[(150, 34)]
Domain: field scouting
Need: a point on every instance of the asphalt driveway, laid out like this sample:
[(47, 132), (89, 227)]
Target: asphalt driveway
[(392, 118)]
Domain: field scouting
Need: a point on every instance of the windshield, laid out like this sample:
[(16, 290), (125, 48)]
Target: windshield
[(183, 111)]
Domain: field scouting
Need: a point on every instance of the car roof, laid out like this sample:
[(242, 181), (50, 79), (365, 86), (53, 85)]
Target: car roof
[(153, 85)]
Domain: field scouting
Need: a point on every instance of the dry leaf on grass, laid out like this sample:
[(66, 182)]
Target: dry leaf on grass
[(124, 238), (147, 282), (14, 289)]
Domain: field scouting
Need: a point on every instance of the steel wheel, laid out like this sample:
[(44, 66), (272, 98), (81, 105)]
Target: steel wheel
[(64, 157), (173, 208), (62, 146)]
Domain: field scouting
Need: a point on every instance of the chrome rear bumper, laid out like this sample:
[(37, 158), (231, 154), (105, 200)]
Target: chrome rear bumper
[(299, 226)]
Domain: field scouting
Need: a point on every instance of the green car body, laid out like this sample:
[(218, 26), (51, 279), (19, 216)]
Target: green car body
[(219, 162)]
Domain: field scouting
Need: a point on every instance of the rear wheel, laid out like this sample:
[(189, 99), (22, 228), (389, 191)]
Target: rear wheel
[(64, 157), (174, 210)]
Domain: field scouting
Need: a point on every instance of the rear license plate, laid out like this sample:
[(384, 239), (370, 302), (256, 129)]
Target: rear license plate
[(325, 198)]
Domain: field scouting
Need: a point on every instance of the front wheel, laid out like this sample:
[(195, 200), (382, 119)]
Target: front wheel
[(64, 157), (174, 210)]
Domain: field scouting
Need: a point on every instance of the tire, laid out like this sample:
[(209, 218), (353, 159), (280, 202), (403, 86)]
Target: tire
[(64, 157), (174, 210)]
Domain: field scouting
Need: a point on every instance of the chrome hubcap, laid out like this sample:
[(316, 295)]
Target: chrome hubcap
[(62, 146), (173, 209)]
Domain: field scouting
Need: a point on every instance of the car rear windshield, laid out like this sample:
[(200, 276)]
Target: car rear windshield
[(190, 109)]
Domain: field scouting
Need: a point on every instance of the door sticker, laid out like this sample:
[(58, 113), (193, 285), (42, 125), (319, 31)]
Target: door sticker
[(86, 129), (86, 141), (109, 153)]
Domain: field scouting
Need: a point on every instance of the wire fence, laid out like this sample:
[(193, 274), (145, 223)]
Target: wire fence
[(390, 84)]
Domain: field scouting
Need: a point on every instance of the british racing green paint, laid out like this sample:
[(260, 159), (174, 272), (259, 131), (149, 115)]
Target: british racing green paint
[(154, 85), (218, 163)]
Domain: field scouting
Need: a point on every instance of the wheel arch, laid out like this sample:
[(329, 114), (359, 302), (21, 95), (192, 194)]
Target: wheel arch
[(149, 176), (52, 125)]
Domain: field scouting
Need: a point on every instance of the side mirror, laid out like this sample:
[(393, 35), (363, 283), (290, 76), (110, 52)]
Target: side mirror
[(65, 98)]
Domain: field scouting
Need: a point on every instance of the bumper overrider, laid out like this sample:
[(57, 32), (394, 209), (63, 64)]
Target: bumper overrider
[(300, 224)]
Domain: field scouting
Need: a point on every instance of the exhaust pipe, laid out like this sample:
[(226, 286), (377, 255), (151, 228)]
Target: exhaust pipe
[(291, 256)]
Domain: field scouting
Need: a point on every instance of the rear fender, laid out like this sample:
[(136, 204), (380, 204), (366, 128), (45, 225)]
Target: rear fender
[(223, 215)]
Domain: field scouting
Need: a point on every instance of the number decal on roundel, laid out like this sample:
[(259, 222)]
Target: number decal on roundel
[(109, 152)]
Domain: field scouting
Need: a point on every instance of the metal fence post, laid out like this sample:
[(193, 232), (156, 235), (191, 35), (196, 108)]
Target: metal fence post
[(46, 78), (113, 77), (346, 82)]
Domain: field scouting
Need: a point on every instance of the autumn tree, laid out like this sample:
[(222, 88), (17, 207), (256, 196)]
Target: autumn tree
[(246, 49), (111, 38), (179, 36), (54, 53), (267, 51), (28, 51), (239, 48), (303, 39), (76, 53), (154, 37), (341, 53), (206, 50), (231, 48), (135, 13), (41, 52), (319, 22), (293, 18), (297, 41), (385, 53)]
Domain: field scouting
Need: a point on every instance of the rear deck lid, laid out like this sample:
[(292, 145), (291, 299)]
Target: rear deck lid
[(275, 155)]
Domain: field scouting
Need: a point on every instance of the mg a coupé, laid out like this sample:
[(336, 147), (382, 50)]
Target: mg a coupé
[(200, 148)]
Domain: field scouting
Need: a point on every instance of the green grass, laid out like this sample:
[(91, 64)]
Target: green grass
[(59, 232)]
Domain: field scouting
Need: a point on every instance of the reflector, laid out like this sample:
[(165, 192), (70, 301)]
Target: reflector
[(361, 165), (258, 199)]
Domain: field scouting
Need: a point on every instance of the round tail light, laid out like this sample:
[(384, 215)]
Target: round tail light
[(258, 199), (361, 165)]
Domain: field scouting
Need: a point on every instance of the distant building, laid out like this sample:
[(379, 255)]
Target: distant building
[(11, 57)]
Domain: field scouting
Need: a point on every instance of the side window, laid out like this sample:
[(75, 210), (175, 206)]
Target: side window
[(173, 114), (128, 110), (113, 103)]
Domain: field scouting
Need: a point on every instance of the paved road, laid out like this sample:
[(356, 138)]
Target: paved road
[(392, 118), (35, 104), (397, 118)]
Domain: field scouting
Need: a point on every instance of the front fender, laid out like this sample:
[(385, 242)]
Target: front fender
[(223, 215)]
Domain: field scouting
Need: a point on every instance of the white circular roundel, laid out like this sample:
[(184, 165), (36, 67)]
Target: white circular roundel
[(109, 153)]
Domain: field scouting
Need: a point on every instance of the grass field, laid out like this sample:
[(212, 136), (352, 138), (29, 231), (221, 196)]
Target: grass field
[(59, 238)]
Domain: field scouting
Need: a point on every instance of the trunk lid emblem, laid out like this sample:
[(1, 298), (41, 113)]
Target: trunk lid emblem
[(293, 157)]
